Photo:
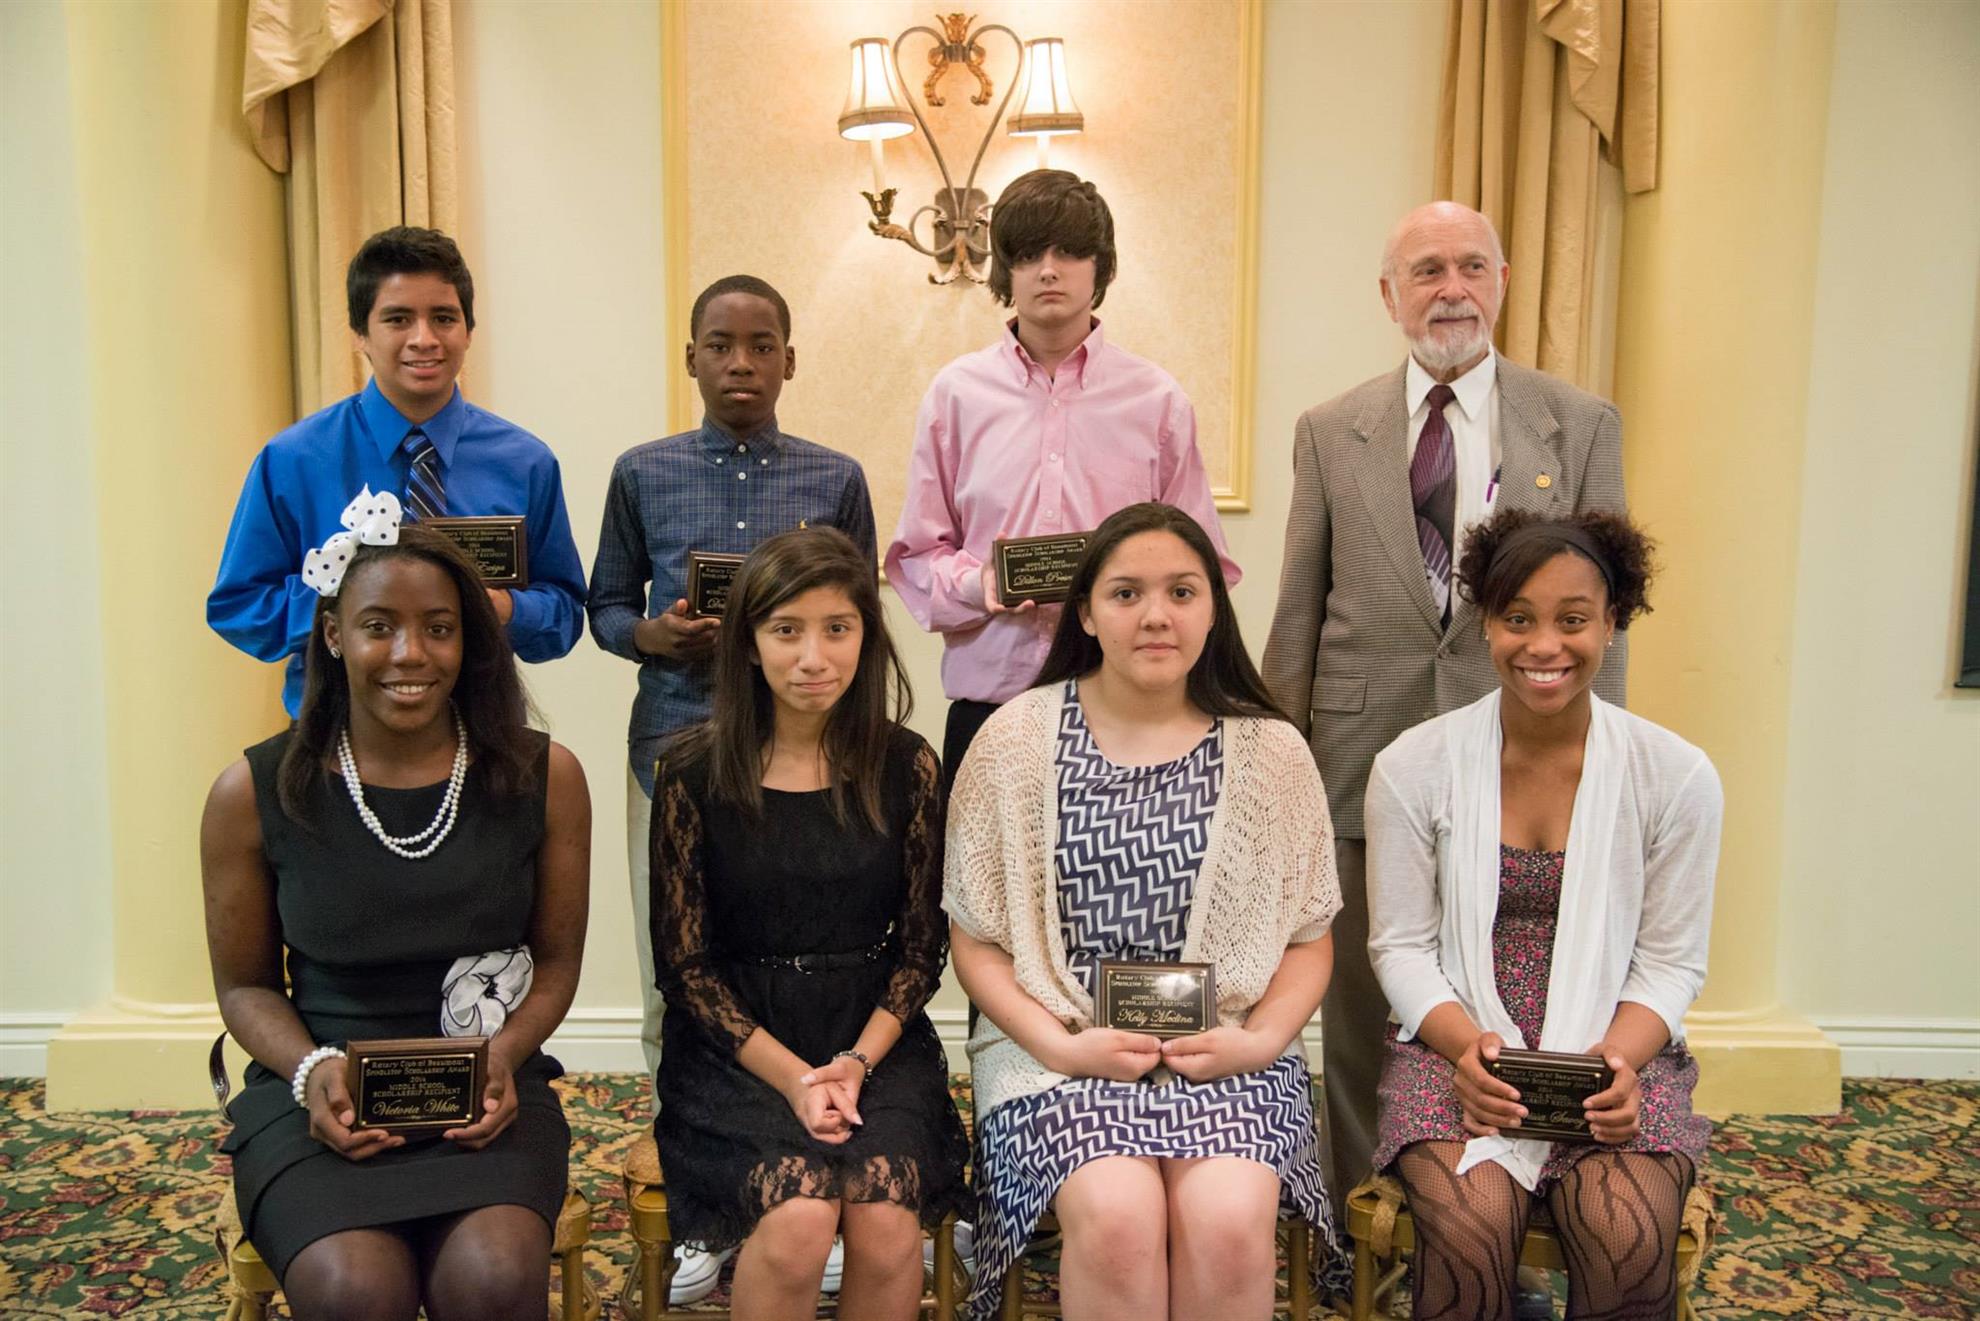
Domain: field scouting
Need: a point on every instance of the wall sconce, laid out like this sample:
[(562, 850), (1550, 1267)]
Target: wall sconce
[(878, 108)]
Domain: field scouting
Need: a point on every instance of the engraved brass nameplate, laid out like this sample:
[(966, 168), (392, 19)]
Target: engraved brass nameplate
[(709, 578), (1552, 1086), (497, 544), (417, 1082), (1037, 568), (1158, 999)]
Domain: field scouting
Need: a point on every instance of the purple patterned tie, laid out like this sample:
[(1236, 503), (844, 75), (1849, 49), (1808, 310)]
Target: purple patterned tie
[(1433, 486)]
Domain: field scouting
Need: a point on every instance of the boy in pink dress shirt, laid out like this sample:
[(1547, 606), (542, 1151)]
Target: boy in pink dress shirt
[(1050, 429)]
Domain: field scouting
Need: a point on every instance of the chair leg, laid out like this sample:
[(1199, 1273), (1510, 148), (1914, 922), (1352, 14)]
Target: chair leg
[(945, 1270), (579, 1302), (1013, 1307), (1299, 1270), (653, 1276), (1364, 1282)]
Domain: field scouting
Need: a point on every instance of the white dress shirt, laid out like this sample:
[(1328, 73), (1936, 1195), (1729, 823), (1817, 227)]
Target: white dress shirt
[(1474, 435)]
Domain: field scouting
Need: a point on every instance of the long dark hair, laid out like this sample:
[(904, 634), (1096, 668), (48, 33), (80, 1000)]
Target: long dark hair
[(735, 740), (488, 692), (1223, 682)]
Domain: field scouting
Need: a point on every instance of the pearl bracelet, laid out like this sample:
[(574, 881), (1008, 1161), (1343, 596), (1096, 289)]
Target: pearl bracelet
[(309, 1062)]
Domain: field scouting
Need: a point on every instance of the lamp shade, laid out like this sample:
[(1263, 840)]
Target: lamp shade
[(872, 109), (1047, 108)]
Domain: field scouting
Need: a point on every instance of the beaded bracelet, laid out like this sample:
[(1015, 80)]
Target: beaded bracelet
[(309, 1062), (864, 1063)]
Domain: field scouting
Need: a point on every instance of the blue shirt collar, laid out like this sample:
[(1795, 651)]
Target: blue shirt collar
[(714, 440), (387, 426)]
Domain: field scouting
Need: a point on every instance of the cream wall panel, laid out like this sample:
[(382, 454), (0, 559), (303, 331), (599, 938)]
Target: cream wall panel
[(1349, 129), (1881, 897), (560, 190), (54, 820), (185, 285), (774, 191)]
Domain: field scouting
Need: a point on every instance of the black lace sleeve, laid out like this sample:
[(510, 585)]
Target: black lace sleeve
[(923, 930), (684, 970)]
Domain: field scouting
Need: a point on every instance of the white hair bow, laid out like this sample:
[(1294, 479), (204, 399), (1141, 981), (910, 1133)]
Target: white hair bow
[(371, 520)]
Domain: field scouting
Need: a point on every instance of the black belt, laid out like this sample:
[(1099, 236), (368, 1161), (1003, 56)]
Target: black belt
[(853, 958)]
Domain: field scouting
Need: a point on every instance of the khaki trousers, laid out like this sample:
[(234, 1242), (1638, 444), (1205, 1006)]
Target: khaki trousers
[(639, 821), (1353, 1019)]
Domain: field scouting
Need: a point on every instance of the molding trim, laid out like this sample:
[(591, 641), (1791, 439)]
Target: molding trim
[(24, 1043), (1236, 498), (607, 1040), (599, 1040), (133, 1055), (1907, 1047), (1766, 1061)]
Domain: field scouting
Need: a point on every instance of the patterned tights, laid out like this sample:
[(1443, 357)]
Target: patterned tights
[(1617, 1214)]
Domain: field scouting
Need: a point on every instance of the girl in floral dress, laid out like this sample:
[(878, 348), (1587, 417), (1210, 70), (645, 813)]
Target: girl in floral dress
[(1540, 877)]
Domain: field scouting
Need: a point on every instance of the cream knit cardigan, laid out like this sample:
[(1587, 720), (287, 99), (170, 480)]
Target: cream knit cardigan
[(1266, 880)]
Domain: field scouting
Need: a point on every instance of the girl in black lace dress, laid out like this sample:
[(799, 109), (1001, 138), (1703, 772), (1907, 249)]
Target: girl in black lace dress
[(797, 932)]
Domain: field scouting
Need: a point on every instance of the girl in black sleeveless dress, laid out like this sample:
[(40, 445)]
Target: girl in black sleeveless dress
[(798, 931), (474, 845)]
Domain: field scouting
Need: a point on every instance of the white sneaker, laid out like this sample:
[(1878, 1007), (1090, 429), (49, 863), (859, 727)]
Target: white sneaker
[(697, 1274), (965, 1235), (835, 1267)]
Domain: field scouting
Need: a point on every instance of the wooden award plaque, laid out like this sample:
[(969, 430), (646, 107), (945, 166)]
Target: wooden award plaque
[(416, 1083), (1552, 1086), (1158, 999), (498, 544)]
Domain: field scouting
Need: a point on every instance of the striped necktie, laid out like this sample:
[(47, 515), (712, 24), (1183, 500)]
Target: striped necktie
[(1433, 488), (426, 497)]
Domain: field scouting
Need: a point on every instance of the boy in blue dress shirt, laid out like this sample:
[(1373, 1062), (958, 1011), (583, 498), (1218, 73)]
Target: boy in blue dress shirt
[(410, 432)]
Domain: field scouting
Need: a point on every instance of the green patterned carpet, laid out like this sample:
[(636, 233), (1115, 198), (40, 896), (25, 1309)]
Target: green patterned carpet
[(1874, 1212)]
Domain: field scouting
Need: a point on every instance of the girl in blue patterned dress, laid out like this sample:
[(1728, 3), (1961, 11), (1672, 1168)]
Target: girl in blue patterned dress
[(1144, 802)]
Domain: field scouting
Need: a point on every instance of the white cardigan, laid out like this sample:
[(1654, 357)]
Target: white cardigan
[(1266, 879), (1656, 922)]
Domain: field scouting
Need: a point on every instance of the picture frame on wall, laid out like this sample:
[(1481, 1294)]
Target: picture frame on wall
[(1969, 658)]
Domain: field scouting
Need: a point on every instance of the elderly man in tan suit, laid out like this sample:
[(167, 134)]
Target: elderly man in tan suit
[(1370, 635)]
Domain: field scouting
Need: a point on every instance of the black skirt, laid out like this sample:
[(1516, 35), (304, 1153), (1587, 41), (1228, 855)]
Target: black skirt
[(370, 937)]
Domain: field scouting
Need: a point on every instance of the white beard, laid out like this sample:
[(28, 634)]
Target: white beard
[(1440, 356)]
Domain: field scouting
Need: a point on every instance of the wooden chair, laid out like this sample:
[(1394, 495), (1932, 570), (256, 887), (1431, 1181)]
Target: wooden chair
[(1296, 1298), (251, 1285), (1384, 1236), (651, 1277)]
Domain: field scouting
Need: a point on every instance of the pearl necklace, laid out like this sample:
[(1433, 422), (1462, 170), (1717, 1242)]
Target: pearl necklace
[(443, 823)]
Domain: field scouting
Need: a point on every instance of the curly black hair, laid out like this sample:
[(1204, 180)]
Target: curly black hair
[(1508, 548)]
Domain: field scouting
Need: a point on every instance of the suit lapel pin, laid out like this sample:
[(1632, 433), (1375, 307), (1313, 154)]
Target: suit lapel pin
[(1543, 481)]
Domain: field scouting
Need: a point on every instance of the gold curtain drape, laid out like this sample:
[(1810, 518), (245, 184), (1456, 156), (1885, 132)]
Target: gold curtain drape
[(1535, 94), (354, 101)]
